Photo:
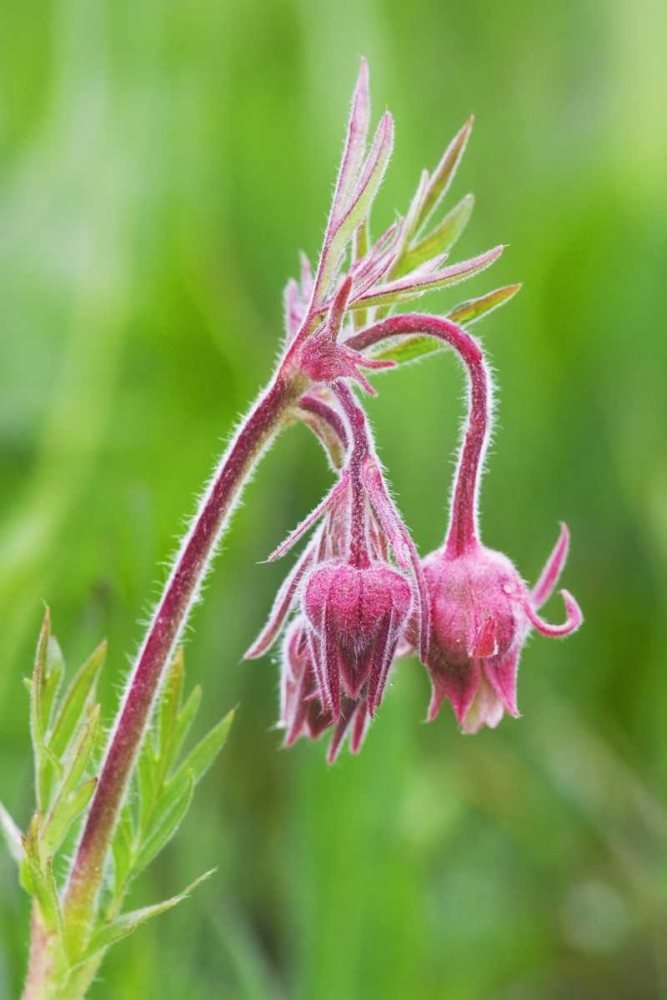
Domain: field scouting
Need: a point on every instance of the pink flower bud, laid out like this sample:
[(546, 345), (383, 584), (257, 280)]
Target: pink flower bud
[(355, 616)]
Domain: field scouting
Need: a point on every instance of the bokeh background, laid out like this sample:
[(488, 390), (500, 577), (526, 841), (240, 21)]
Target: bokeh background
[(161, 165)]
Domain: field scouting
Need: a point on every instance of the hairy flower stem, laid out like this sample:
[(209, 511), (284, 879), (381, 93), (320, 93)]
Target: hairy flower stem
[(463, 531), (159, 645), (359, 555)]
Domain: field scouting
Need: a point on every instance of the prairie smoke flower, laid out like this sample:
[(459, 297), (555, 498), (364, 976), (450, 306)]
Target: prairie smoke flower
[(352, 602), (358, 596), (481, 611), (481, 614)]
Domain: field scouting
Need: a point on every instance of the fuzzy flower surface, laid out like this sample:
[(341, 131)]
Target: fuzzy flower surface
[(358, 596)]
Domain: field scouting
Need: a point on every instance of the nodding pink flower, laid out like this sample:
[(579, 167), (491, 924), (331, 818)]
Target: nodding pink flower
[(481, 613), (353, 604), (356, 615), (480, 609)]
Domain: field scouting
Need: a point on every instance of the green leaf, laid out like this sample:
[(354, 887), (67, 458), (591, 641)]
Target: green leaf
[(123, 849), (442, 239), (169, 708), (185, 719), (38, 879), (80, 691), (71, 798), (65, 812), (198, 761), (474, 309), (79, 756), (164, 823), (147, 781), (12, 835), (413, 348), (55, 668), (37, 715), (39, 677), (120, 927), (443, 175)]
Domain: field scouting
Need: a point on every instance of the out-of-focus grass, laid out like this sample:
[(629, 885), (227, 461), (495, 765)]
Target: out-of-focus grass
[(161, 166)]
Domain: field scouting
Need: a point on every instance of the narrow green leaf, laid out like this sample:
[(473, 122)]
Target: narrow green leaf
[(169, 708), (147, 781), (413, 348), (442, 239), (123, 849), (39, 677), (66, 805), (444, 173), (475, 309), (64, 814), (164, 824), (38, 879), (37, 720), (12, 835), (79, 756), (46, 894), (55, 668), (202, 756), (185, 719), (120, 927), (80, 690), (198, 761)]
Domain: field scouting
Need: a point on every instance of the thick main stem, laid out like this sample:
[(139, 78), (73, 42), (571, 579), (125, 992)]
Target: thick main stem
[(179, 596), (463, 532)]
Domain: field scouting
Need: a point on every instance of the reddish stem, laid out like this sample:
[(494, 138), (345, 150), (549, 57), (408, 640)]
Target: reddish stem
[(463, 531), (179, 596), (359, 554)]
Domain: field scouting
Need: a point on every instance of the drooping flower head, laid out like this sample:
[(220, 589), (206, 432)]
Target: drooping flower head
[(352, 602), (358, 593), (481, 611)]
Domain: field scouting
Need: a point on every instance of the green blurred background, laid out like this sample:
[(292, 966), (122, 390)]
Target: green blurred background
[(161, 165)]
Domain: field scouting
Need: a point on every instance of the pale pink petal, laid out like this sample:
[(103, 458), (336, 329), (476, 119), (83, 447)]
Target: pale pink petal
[(501, 673), (486, 710)]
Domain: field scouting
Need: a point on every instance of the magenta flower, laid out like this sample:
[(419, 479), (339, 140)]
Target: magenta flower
[(358, 596), (355, 614), (481, 613), (352, 604), (480, 609)]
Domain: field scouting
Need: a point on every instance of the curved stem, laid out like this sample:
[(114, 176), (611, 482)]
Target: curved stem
[(463, 531), (327, 424), (178, 598)]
